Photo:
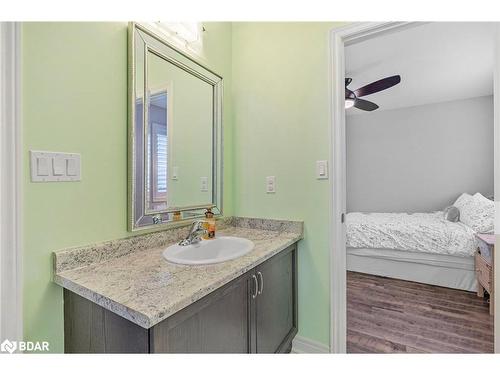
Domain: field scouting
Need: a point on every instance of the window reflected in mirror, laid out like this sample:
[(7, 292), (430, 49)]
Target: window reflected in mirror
[(157, 152)]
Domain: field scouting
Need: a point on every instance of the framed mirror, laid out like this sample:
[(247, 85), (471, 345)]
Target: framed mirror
[(175, 134)]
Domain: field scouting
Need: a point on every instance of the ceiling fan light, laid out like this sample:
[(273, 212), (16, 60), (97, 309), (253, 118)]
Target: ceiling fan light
[(349, 103)]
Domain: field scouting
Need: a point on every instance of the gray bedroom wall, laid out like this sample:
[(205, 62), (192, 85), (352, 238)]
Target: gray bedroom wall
[(419, 159)]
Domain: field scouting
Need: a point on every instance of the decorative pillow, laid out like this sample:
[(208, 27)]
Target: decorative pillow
[(478, 213), (462, 201), (451, 213)]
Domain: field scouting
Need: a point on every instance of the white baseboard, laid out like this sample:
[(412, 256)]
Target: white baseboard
[(303, 346)]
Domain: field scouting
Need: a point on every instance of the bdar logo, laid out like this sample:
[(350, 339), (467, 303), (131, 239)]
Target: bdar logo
[(8, 346)]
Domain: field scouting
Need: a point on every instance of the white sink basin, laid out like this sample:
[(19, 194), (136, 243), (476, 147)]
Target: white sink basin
[(220, 249)]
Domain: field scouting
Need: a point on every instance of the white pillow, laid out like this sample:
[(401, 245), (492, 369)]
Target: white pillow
[(478, 213), (462, 201)]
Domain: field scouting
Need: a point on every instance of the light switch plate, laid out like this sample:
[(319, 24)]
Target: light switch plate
[(270, 184), (322, 169), (47, 166)]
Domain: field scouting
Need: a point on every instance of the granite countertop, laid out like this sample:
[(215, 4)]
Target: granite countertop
[(131, 278)]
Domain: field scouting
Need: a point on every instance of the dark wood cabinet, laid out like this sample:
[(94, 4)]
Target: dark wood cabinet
[(217, 323), (276, 312), (90, 328), (255, 313)]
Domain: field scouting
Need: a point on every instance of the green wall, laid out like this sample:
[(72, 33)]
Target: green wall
[(276, 122), (281, 127), (75, 100)]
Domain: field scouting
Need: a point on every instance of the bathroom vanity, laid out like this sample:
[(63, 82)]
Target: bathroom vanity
[(124, 297), (132, 295)]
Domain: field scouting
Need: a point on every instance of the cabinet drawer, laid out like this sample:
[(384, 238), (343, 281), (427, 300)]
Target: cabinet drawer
[(483, 272)]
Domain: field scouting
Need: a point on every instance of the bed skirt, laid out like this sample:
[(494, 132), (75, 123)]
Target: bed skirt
[(443, 270)]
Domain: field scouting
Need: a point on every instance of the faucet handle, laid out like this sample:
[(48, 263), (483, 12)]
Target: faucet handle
[(195, 232), (197, 224)]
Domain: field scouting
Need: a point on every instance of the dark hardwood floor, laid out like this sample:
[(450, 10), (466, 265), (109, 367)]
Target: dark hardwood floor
[(394, 316)]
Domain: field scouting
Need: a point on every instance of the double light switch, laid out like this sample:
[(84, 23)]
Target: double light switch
[(54, 166)]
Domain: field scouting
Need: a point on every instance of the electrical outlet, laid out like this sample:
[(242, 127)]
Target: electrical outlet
[(204, 184), (270, 184)]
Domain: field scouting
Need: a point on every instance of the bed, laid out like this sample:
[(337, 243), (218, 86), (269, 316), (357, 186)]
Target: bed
[(419, 247)]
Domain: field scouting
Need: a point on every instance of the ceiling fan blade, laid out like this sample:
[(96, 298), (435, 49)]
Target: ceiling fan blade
[(377, 86), (348, 81), (365, 105)]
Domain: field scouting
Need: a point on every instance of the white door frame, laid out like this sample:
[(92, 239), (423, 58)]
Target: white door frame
[(11, 167), (496, 136), (339, 37)]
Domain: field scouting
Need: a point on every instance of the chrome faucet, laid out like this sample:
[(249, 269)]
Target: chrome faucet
[(195, 233)]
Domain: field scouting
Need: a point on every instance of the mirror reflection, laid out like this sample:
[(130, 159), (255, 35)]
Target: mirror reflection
[(176, 134), (179, 137)]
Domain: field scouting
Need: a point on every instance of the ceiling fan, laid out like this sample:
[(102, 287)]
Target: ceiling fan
[(352, 98)]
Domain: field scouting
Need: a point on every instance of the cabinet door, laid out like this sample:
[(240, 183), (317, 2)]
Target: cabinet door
[(90, 328), (218, 323), (276, 305)]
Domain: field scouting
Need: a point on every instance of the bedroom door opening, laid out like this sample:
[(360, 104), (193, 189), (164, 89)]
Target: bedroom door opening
[(441, 277)]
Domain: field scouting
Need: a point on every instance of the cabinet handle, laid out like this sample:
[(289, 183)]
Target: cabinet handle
[(261, 282), (256, 285)]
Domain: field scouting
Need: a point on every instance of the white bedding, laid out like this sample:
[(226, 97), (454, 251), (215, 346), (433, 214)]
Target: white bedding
[(435, 269), (423, 232)]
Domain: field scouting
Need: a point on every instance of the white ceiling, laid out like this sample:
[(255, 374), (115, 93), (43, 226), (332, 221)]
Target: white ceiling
[(437, 62)]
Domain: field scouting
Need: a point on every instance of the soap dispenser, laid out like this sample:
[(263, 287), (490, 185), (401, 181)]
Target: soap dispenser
[(209, 224)]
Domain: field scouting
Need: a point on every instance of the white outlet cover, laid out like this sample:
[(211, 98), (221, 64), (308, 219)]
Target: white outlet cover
[(204, 184), (270, 184)]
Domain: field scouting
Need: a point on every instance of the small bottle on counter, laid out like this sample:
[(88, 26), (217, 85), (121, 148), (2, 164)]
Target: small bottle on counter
[(177, 216), (209, 225)]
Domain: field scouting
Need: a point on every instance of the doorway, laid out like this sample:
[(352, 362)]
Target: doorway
[(340, 38)]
